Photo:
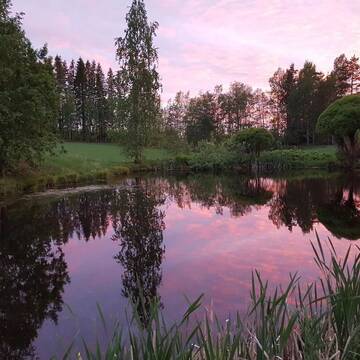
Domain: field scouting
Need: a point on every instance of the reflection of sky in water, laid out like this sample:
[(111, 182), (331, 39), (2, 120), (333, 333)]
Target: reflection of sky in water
[(205, 252)]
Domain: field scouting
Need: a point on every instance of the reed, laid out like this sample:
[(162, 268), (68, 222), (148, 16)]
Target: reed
[(320, 321)]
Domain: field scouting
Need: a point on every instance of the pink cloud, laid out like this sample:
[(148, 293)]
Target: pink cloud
[(203, 43)]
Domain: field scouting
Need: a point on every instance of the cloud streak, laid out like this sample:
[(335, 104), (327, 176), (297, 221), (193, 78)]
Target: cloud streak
[(203, 43)]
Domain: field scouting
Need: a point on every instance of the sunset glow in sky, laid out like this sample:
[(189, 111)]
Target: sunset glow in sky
[(203, 43)]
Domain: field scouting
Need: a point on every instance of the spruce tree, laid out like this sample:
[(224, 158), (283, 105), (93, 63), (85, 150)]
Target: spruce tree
[(61, 77), (90, 68), (138, 61), (100, 104), (80, 89), (111, 99), (71, 123)]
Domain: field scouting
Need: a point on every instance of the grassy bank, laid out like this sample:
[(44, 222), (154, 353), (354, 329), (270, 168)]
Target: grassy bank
[(312, 322), (82, 163)]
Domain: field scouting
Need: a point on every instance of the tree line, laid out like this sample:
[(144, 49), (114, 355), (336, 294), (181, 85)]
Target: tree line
[(290, 109), (91, 105)]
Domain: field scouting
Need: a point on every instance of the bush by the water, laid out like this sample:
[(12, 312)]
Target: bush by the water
[(211, 155), (231, 154), (296, 159)]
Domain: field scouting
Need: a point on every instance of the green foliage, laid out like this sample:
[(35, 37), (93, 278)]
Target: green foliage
[(200, 117), (342, 120), (304, 105), (253, 141), (341, 286), (209, 155), (298, 159), (235, 105), (170, 140), (138, 59), (28, 101)]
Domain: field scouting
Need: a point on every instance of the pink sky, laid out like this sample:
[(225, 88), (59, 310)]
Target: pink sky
[(203, 43)]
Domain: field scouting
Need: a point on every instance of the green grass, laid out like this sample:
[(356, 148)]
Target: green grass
[(80, 163), (85, 158)]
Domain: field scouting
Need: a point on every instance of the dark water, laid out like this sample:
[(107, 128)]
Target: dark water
[(174, 236)]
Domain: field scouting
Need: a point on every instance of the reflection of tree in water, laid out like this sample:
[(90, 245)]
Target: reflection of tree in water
[(294, 202), (330, 201), (33, 274), (33, 271), (85, 214), (341, 214), (238, 193), (292, 205), (139, 229)]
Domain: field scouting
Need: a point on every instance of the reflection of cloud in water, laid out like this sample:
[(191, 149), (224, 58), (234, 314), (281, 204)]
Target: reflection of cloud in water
[(175, 236)]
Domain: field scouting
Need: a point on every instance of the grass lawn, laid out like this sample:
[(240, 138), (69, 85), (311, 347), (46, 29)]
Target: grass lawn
[(85, 158)]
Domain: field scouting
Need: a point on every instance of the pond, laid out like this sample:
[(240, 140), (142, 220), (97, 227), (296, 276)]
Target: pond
[(63, 252)]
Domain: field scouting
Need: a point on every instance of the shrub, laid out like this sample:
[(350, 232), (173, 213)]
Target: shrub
[(295, 159), (214, 156), (253, 141), (342, 121)]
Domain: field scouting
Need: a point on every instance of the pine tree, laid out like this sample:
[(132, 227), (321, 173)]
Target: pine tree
[(354, 71), (138, 61), (347, 74)]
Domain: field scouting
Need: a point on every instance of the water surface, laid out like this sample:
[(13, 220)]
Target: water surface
[(62, 252)]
